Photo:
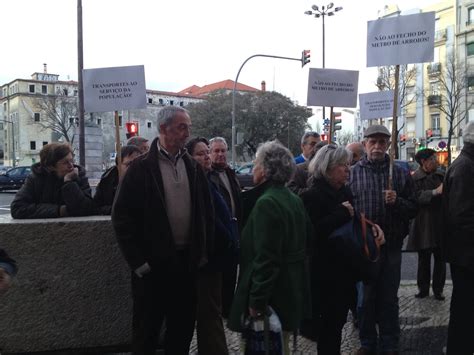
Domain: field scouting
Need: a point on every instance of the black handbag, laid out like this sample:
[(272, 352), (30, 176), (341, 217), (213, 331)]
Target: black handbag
[(356, 247)]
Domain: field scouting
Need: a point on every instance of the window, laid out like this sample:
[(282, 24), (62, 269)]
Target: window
[(32, 145), (470, 15), (160, 101), (434, 88), (120, 120), (5, 107), (470, 48), (75, 92), (150, 100), (99, 121), (470, 83), (32, 88), (65, 92), (171, 102), (435, 121), (37, 116), (44, 89), (148, 124), (181, 103), (44, 143), (470, 115), (1, 126)]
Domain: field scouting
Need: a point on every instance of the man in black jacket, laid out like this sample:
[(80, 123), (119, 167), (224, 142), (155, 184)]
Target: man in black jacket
[(224, 178), (7, 271), (163, 220), (458, 245)]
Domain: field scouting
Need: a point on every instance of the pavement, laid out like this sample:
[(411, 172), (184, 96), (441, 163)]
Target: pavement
[(423, 323)]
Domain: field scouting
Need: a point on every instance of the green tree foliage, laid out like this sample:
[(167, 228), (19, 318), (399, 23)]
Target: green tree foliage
[(259, 117)]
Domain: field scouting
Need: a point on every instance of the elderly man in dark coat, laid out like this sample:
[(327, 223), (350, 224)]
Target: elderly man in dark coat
[(426, 229), (458, 245), (163, 220)]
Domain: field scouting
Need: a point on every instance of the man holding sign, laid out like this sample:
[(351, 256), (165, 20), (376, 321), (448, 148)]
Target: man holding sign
[(391, 208)]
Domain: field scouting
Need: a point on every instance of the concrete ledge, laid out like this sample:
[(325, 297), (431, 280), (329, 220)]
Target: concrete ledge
[(72, 290)]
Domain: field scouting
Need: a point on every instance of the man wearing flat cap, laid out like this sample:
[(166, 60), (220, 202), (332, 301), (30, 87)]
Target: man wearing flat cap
[(391, 209)]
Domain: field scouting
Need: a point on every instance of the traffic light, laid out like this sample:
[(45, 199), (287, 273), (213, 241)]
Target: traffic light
[(324, 137), (336, 123), (305, 57), (429, 135), (403, 139), (132, 129)]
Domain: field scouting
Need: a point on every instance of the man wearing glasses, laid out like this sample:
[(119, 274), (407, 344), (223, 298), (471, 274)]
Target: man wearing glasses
[(308, 141)]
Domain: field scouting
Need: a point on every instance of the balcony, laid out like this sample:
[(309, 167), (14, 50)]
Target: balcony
[(440, 35), (433, 132), (434, 69), (434, 100)]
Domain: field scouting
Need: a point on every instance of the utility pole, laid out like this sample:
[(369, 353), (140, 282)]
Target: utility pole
[(80, 66)]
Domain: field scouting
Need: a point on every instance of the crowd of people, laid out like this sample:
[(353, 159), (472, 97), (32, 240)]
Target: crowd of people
[(201, 251)]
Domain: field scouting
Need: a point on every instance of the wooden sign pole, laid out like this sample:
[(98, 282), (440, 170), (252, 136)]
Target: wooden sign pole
[(117, 141), (394, 139), (331, 125)]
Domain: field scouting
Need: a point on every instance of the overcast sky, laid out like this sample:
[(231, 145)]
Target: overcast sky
[(186, 42)]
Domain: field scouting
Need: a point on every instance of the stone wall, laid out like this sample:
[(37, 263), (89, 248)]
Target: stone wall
[(72, 290)]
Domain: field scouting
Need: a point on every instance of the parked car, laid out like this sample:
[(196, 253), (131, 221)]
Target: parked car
[(4, 169), (245, 176), (14, 178)]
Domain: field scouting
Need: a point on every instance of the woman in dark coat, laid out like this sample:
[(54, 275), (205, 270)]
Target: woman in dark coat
[(427, 228), (210, 329), (273, 246), (329, 205), (55, 188)]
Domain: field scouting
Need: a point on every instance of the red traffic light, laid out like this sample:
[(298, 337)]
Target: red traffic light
[(132, 129), (324, 137), (305, 57)]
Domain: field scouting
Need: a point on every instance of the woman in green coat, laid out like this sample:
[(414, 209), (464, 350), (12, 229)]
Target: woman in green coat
[(273, 246)]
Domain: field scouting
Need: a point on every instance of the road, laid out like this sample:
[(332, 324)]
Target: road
[(6, 198), (409, 260)]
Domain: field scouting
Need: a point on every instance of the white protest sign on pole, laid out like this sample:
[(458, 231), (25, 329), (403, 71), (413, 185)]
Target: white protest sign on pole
[(332, 87), (116, 88), (377, 104), (401, 40)]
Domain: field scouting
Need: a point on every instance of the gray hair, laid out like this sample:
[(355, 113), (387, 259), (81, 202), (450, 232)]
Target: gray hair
[(326, 158), (217, 139), (167, 113), (468, 133), (277, 161), (306, 135)]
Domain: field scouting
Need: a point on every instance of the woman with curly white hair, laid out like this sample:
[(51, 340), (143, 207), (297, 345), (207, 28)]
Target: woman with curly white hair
[(273, 246)]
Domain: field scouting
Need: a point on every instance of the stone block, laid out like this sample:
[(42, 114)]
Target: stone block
[(72, 291)]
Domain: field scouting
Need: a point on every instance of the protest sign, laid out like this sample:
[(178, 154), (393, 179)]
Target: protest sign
[(332, 87), (112, 89), (401, 40), (377, 104)]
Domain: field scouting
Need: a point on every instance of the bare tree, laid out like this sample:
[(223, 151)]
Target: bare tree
[(450, 95), (406, 83), (345, 137), (59, 114)]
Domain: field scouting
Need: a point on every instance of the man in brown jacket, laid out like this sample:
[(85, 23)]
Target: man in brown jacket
[(161, 216)]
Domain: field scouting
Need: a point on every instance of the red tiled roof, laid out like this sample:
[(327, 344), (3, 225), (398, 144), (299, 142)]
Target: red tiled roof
[(221, 85)]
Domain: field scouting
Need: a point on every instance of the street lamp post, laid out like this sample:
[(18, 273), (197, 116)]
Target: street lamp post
[(328, 10)]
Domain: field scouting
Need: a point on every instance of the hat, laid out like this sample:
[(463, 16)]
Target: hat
[(376, 129)]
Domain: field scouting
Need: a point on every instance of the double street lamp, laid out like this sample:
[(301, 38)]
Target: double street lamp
[(328, 10)]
